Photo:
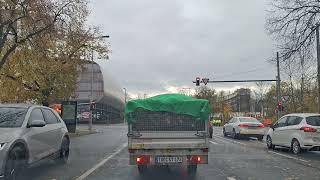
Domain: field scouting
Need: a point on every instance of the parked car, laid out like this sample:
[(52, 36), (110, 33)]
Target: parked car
[(244, 126), (295, 131), (29, 133)]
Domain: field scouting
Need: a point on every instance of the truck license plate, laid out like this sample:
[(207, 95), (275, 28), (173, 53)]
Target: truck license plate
[(168, 160)]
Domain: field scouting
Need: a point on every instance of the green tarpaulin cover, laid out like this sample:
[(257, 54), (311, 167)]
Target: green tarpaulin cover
[(175, 103)]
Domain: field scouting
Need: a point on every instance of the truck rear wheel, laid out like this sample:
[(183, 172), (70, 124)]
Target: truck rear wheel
[(142, 169), (192, 169)]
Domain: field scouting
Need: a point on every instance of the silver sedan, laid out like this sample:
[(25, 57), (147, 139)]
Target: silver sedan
[(29, 133), (244, 126)]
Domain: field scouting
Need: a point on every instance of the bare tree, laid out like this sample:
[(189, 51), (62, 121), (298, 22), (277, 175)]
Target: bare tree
[(293, 24), (260, 93)]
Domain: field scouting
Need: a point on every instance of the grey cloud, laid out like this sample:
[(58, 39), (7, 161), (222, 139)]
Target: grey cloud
[(157, 44)]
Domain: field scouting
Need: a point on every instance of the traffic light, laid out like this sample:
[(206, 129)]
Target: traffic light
[(280, 106), (197, 81)]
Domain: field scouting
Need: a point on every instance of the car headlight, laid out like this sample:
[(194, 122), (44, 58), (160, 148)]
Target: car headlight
[(2, 145)]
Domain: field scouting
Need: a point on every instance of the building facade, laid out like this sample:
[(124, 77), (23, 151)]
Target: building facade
[(96, 85)]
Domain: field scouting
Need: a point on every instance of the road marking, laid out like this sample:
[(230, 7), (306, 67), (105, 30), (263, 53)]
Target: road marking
[(229, 140), (231, 178), (101, 163), (212, 142), (287, 156)]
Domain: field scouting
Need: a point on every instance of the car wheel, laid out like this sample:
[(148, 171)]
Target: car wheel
[(15, 164), (64, 151), (234, 135), (269, 143), (224, 132), (192, 170), (295, 146), (260, 138)]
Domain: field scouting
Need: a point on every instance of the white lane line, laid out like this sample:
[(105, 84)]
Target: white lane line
[(231, 178), (212, 142), (101, 163), (287, 156), (229, 140)]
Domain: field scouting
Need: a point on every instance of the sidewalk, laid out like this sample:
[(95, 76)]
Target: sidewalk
[(82, 131)]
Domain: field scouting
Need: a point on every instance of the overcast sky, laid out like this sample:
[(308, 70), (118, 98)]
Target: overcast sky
[(161, 46)]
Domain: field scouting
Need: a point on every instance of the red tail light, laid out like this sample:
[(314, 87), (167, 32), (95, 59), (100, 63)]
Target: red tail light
[(198, 159), (243, 125), (142, 160), (308, 129), (261, 126), (195, 159)]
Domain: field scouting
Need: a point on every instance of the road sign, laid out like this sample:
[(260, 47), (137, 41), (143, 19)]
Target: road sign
[(69, 115), (205, 81)]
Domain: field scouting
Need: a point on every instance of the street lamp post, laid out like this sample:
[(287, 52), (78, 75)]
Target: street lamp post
[(125, 95), (91, 84)]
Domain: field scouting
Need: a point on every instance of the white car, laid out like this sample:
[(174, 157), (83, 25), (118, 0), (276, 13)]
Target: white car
[(29, 133), (244, 126), (295, 131)]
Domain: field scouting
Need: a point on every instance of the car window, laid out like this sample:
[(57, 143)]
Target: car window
[(36, 114), (282, 122), (313, 120), (293, 120), (50, 118), (231, 120), (12, 117), (249, 119)]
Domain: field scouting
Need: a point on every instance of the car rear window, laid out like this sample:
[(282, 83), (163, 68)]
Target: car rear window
[(313, 120), (249, 119)]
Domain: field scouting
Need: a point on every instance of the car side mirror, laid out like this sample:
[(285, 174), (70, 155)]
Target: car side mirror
[(272, 126), (37, 123)]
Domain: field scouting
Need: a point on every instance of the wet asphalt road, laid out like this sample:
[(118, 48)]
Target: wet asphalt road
[(229, 159)]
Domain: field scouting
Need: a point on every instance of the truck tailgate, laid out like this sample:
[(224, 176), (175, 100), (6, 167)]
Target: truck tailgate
[(168, 140)]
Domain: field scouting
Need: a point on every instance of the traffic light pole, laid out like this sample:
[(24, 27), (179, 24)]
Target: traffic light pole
[(278, 87), (318, 60)]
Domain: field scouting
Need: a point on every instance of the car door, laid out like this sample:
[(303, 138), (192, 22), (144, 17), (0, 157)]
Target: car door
[(37, 137), (278, 128), (231, 124), (54, 126), (227, 126), (289, 129)]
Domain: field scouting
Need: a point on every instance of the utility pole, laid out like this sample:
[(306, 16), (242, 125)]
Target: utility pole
[(318, 59), (91, 91), (239, 103), (278, 86), (125, 95)]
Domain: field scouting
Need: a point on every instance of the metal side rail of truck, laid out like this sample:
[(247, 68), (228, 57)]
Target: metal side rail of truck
[(166, 138)]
